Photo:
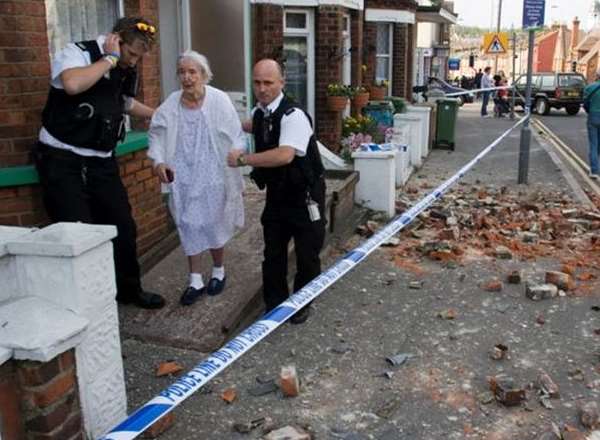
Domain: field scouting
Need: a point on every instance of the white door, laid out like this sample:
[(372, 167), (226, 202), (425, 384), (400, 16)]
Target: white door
[(299, 55)]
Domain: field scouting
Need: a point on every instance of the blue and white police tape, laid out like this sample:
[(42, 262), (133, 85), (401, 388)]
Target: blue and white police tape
[(201, 374), (473, 91)]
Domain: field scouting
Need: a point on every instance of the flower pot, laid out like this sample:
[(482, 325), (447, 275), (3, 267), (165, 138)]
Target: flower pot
[(360, 100), (378, 93), (336, 103)]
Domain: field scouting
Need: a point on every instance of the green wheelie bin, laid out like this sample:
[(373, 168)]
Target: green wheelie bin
[(447, 112)]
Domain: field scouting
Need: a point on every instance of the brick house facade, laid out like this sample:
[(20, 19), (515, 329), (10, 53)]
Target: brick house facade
[(24, 82)]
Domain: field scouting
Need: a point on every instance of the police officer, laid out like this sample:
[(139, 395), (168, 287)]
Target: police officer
[(288, 163), (93, 84)]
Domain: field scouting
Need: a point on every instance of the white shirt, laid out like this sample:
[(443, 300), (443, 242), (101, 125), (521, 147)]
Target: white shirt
[(486, 82), (295, 127), (72, 56)]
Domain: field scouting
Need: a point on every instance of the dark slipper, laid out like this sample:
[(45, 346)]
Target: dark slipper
[(191, 295), (215, 286)]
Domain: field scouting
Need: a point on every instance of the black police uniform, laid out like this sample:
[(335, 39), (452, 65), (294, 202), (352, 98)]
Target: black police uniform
[(89, 189), (289, 189)]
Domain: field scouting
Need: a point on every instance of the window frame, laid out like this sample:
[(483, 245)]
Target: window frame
[(389, 56)]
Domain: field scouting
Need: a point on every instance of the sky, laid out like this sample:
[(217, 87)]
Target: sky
[(479, 12)]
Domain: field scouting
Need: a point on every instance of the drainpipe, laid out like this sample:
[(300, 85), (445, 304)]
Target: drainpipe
[(248, 59)]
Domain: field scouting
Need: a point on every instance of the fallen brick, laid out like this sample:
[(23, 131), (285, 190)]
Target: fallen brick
[(500, 351), (288, 381), (503, 253), (505, 390), (288, 433), (559, 279), (448, 314), (494, 285), (167, 368), (160, 426), (449, 234), (229, 395), (589, 415), (541, 291), (547, 385), (514, 277)]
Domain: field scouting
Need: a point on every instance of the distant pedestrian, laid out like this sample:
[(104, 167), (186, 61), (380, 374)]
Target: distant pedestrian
[(591, 103), (486, 82), (478, 77)]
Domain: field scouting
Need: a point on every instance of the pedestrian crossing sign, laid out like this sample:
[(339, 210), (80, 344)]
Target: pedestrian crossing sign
[(495, 43)]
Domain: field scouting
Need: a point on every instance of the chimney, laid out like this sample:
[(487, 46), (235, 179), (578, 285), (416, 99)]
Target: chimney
[(575, 34)]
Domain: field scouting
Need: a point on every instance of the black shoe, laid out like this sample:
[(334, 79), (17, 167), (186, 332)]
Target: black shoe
[(143, 299), (301, 315), (215, 286), (191, 295)]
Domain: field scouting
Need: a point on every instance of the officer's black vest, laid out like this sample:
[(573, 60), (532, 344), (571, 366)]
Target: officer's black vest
[(294, 181), (94, 118)]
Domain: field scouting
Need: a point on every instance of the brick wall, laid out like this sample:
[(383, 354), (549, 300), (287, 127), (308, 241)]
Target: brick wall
[(328, 69), (24, 78), (40, 399), (356, 37), (267, 33), (24, 71)]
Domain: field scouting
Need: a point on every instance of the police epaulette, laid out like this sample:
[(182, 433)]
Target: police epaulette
[(290, 110), (81, 46)]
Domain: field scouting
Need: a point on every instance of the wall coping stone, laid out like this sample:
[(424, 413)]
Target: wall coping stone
[(5, 354), (11, 233), (62, 240), (38, 330)]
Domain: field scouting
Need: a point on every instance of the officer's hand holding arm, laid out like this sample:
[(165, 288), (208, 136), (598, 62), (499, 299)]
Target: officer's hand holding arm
[(275, 157), (140, 110), (164, 172), (79, 79), (247, 125)]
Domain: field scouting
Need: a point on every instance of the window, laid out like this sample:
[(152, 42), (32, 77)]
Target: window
[(77, 20), (570, 81), (548, 81), (383, 57), (298, 50)]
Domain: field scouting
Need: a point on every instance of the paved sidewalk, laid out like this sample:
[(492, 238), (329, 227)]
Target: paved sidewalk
[(349, 392)]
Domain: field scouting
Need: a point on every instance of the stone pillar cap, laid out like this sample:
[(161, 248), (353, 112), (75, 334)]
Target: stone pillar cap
[(38, 330), (62, 240), (11, 233)]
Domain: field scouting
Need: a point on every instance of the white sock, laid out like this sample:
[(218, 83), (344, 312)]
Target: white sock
[(196, 281), (218, 272)]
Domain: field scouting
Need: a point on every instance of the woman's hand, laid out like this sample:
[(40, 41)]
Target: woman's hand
[(232, 157), (165, 173)]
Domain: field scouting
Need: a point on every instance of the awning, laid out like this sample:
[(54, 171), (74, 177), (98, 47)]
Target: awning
[(435, 14)]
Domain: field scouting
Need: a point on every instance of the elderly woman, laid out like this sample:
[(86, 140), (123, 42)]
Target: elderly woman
[(190, 136)]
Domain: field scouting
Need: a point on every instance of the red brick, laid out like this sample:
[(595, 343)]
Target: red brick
[(143, 174), (66, 360), (53, 417), (38, 373), (288, 381), (160, 426), (53, 391), (11, 206), (12, 427), (132, 167)]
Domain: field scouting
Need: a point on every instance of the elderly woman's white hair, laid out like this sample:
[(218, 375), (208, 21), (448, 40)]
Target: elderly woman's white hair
[(200, 60)]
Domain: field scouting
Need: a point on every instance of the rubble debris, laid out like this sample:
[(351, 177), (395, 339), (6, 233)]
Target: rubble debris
[(389, 408), (159, 427), (486, 397), (505, 391), (399, 359), (448, 314), (529, 237), (576, 374), (288, 433), (416, 285), (590, 415), (540, 319), (391, 242), (229, 395), (503, 253), (538, 292), (288, 381), (514, 277), (449, 234), (500, 351), (569, 213), (547, 386), (263, 388), (341, 348), (245, 428), (561, 280), (494, 285), (169, 367)]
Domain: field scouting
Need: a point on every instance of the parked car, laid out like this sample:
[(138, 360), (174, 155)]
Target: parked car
[(552, 90), (436, 83)]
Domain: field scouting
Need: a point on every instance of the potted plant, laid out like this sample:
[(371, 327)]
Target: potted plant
[(360, 97), (337, 97), (356, 131), (379, 89)]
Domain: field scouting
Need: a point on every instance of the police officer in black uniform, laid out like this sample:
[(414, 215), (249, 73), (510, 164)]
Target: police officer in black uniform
[(92, 87), (288, 163)]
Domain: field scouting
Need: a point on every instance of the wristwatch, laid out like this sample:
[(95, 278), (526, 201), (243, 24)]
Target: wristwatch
[(241, 161)]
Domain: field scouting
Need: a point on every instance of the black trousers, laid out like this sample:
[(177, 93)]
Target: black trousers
[(89, 190), (282, 222)]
